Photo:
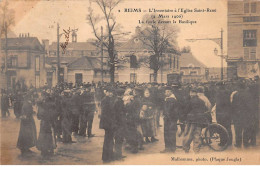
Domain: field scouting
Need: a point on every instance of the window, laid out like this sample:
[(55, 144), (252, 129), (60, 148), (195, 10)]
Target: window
[(95, 73), (133, 77), (37, 63), (251, 19), (246, 53), (250, 53), (193, 72), (250, 7), (253, 7), (152, 78), (12, 62), (246, 7), (249, 38), (253, 53)]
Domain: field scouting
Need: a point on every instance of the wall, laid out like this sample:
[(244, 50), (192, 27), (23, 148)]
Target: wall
[(236, 27), (27, 72), (87, 75)]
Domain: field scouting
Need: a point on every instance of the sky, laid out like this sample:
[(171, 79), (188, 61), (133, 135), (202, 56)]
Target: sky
[(40, 17)]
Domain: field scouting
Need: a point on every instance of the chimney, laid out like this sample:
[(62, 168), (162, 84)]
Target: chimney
[(45, 43), (20, 35), (28, 34)]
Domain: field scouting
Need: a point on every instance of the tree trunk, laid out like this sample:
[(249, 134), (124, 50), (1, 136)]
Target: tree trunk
[(112, 62), (155, 72), (112, 73)]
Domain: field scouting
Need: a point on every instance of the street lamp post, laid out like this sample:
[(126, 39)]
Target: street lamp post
[(58, 52), (219, 41)]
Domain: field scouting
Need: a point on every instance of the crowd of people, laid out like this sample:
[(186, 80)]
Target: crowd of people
[(130, 114)]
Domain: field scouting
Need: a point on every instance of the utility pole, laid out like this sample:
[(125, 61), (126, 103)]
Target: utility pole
[(102, 65), (6, 51), (58, 52), (161, 69), (222, 55)]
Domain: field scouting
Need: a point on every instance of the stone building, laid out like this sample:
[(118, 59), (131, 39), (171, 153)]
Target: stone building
[(243, 38), (76, 70), (25, 61)]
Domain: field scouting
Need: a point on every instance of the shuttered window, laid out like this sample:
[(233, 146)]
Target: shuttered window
[(253, 7), (246, 7)]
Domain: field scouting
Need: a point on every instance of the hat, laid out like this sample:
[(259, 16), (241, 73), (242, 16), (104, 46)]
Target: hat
[(120, 91), (200, 89), (109, 89), (168, 88), (138, 90)]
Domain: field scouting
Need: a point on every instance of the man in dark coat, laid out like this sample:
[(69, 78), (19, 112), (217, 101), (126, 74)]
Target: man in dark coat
[(107, 122), (27, 135), (76, 108), (66, 121), (120, 124), (223, 110), (243, 115), (84, 114), (171, 116), (4, 104), (254, 91), (132, 108), (91, 112), (87, 113)]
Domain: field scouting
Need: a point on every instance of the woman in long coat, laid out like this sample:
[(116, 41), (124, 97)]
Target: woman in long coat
[(46, 113), (147, 116), (27, 134), (18, 104), (66, 122)]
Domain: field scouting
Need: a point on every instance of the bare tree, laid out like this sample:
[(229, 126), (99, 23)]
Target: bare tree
[(160, 37), (106, 7), (6, 21)]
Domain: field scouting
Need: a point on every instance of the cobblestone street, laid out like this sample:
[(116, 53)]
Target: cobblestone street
[(88, 151)]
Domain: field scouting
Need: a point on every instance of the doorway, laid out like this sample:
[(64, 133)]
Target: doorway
[(78, 78)]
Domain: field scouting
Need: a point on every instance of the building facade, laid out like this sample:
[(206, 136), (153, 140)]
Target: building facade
[(169, 62), (25, 61), (76, 70), (243, 38), (192, 69)]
